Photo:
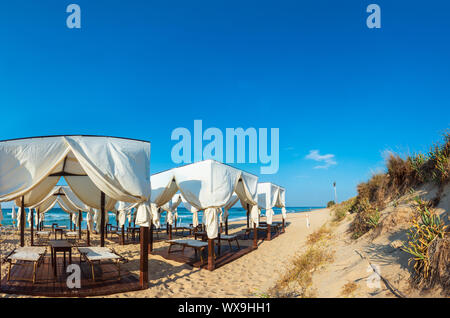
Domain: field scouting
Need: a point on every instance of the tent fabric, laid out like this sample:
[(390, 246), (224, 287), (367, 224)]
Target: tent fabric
[(155, 215), (30, 211), (191, 209), (97, 219), (171, 208), (123, 210), (117, 167), (13, 214), (206, 185), (233, 200), (19, 217), (73, 200), (90, 220), (269, 196), (74, 218)]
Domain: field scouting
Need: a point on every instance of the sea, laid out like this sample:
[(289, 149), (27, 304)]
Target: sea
[(57, 215)]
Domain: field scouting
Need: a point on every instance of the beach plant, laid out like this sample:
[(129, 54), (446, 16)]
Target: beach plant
[(330, 204), (374, 219), (322, 233), (426, 227), (340, 210)]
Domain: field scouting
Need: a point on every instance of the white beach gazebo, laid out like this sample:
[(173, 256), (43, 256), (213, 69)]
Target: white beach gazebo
[(99, 171), (209, 186), (269, 196)]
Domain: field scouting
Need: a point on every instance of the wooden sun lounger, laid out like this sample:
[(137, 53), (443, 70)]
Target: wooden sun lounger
[(29, 254), (229, 239), (198, 246), (183, 228), (94, 255), (249, 230), (43, 236)]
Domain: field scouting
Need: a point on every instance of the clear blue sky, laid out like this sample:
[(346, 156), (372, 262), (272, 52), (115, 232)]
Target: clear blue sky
[(312, 69)]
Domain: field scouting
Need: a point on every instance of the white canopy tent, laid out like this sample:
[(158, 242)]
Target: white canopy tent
[(269, 196), (209, 186), (99, 170)]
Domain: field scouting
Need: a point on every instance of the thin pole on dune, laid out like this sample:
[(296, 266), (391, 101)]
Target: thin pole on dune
[(335, 193)]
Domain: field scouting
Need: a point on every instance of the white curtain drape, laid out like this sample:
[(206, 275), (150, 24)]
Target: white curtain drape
[(90, 220), (13, 215)]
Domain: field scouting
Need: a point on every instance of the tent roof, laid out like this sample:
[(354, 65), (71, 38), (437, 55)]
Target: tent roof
[(51, 136), (204, 184)]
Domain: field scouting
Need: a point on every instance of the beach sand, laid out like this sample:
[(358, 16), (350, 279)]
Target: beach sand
[(249, 276)]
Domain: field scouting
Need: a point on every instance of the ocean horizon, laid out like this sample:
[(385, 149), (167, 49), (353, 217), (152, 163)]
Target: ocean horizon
[(57, 215)]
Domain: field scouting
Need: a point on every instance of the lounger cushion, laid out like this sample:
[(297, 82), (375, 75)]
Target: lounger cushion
[(188, 242), (228, 237), (29, 253), (98, 253)]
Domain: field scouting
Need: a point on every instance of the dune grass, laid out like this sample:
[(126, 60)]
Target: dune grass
[(297, 280), (402, 175)]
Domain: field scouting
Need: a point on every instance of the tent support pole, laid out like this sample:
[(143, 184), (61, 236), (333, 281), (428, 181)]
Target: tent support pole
[(283, 225), (150, 243), (170, 231), (32, 227), (226, 226), (123, 234), (22, 221), (38, 220), (269, 233), (80, 216), (211, 264), (70, 221), (102, 220), (255, 236), (218, 244), (248, 217), (88, 235), (143, 264)]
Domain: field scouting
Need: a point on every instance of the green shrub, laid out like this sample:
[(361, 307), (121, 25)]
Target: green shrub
[(426, 227), (330, 204)]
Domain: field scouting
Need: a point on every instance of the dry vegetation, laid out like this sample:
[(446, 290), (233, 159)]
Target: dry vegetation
[(297, 280), (401, 176), (349, 289)]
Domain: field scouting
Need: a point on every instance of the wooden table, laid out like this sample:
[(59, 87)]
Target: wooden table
[(60, 246)]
